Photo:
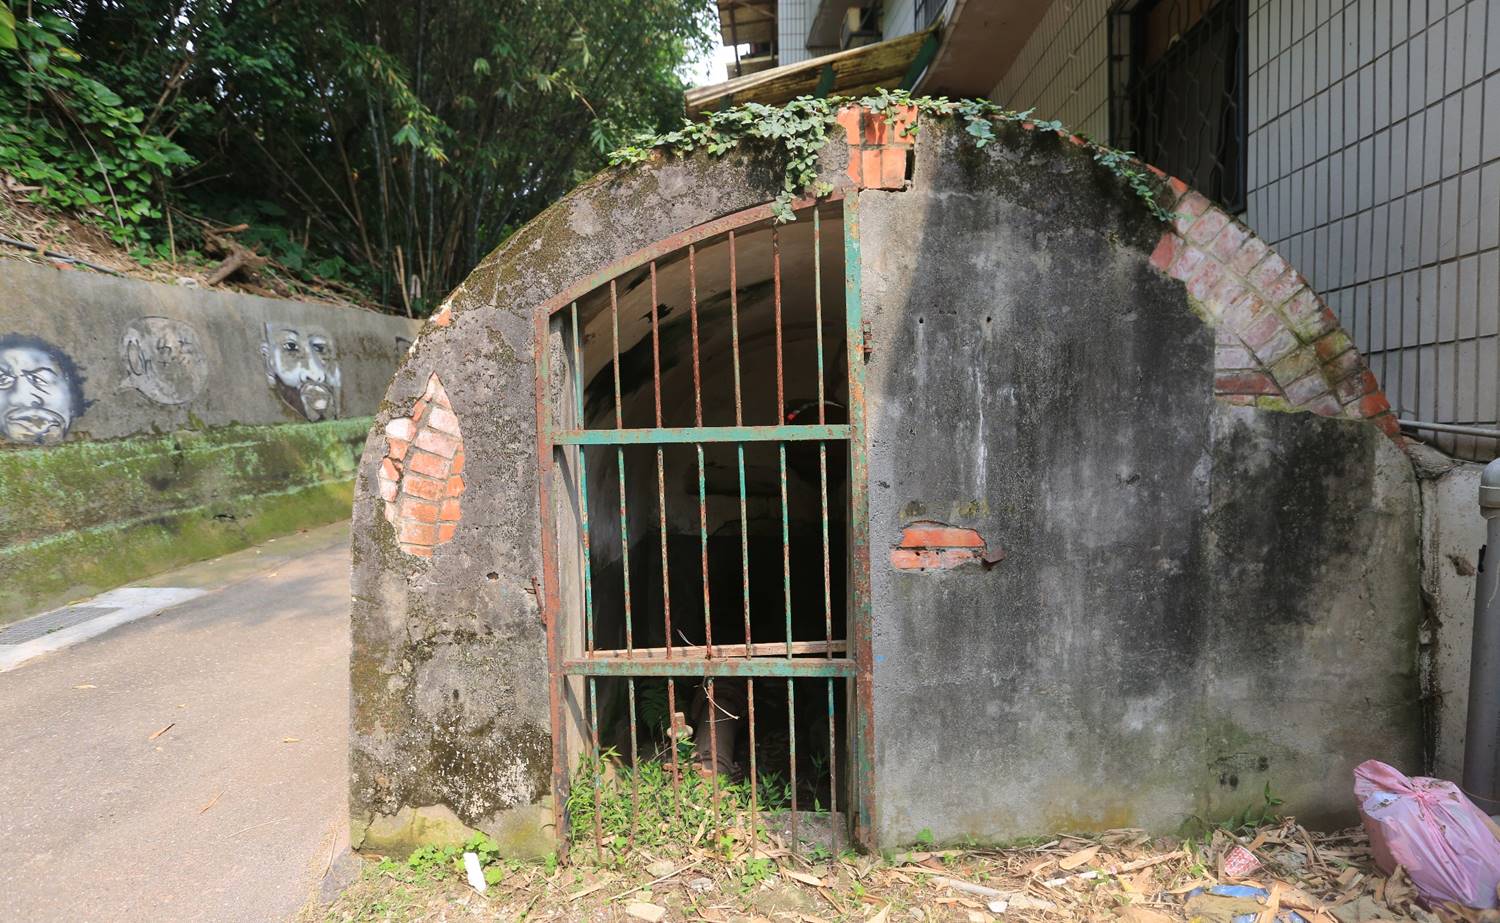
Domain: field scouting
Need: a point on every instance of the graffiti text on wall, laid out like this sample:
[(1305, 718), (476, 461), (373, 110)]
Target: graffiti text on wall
[(164, 359), (41, 392)]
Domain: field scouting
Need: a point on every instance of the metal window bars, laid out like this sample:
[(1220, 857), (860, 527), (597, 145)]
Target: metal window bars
[(586, 650), (1178, 80)]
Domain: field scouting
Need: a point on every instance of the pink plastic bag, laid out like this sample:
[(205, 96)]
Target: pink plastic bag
[(1431, 829)]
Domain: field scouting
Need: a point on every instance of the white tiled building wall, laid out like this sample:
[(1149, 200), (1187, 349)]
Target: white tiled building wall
[(793, 19), (1063, 70), (1374, 167)]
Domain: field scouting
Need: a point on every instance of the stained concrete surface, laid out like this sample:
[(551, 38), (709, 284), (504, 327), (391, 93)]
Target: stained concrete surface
[(235, 811)]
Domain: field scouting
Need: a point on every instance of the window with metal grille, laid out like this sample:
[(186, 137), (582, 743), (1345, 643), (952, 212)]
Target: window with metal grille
[(700, 411), (1177, 90)]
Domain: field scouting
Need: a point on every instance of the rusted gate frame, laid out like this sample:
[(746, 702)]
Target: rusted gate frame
[(735, 660)]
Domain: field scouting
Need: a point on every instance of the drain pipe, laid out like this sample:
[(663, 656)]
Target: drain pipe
[(1482, 738)]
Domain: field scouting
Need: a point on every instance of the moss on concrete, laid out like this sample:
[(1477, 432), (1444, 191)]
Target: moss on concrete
[(85, 517)]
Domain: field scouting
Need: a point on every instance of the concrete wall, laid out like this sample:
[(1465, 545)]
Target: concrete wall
[(1373, 164), (1452, 534), (1211, 579), (146, 425)]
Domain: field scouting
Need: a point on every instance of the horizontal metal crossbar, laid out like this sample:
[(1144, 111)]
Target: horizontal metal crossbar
[(761, 649), (811, 667), (700, 434)]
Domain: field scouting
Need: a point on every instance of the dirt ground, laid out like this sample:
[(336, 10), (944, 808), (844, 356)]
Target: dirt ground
[(1278, 871)]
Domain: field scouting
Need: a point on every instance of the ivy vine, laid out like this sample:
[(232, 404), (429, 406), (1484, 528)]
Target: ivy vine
[(801, 128)]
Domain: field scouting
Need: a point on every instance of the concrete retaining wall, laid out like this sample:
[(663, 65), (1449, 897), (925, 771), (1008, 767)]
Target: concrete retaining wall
[(145, 425)]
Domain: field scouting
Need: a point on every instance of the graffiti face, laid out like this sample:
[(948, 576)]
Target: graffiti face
[(303, 368), (40, 391), (163, 360)]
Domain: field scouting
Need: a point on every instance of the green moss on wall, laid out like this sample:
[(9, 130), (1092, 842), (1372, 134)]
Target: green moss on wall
[(82, 518)]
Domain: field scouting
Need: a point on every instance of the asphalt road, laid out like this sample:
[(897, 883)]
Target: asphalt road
[(235, 810)]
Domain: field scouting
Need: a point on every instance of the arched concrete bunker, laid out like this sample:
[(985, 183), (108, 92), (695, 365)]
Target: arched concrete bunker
[(1115, 528)]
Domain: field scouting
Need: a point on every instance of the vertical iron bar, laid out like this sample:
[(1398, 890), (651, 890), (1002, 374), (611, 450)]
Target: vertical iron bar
[(833, 791), (588, 584), (708, 631), (739, 420), (661, 506), (614, 314), (550, 601), (791, 695)]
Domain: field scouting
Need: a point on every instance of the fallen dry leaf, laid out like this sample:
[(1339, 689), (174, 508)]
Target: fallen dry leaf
[(162, 731), (882, 916), (803, 877), (1135, 913), (1082, 857)]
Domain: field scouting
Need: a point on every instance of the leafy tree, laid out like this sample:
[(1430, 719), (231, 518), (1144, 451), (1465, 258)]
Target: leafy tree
[(387, 142)]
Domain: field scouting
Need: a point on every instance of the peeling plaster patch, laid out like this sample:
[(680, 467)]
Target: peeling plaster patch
[(421, 474)]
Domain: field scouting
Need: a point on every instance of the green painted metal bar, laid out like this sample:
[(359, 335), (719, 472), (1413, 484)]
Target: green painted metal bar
[(776, 667), (833, 760), (583, 490), (861, 642), (700, 434)]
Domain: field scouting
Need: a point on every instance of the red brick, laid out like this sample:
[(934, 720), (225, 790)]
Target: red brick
[(416, 509), (1265, 274), (421, 551), (443, 420), (1166, 251), (1332, 345), (1207, 227), (455, 486), (1265, 326), (1389, 424), (390, 470), (451, 511), (849, 118), (388, 489), (1245, 383), (1233, 357), (1253, 251), (1305, 389), (438, 443), (1242, 400), (458, 463), (1187, 262), (1178, 187), (856, 178), (426, 463), (396, 448), (1324, 405), (446, 531), (420, 407), (930, 535), (893, 168), (1349, 390), (401, 428), (869, 166), (1285, 286), (1241, 313), (1227, 292), (417, 533), (426, 488), (1294, 365), (1205, 279), (1192, 205), (1229, 241), (444, 316), (1277, 348), (929, 559), (1373, 404)]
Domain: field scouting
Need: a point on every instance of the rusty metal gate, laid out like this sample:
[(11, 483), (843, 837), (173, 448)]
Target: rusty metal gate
[(602, 632)]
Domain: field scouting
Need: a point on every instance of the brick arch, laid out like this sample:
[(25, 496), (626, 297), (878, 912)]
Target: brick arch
[(1278, 346), (421, 473)]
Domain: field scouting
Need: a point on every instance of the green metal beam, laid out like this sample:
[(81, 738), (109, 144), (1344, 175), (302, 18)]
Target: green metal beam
[(700, 434), (720, 667)]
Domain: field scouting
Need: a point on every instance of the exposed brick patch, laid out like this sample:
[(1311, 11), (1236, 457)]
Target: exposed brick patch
[(1277, 343), (926, 545), (419, 476), (879, 145)]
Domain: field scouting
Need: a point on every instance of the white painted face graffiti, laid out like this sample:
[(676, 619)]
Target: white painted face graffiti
[(38, 392), (303, 368)]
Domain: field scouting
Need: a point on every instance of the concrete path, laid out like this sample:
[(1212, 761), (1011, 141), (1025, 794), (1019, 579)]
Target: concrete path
[(189, 765)]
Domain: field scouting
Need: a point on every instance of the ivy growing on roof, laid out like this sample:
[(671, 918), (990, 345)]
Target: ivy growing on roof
[(801, 128)]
